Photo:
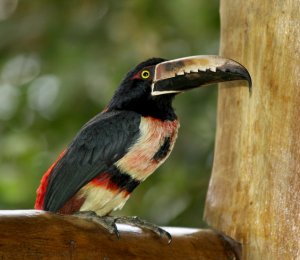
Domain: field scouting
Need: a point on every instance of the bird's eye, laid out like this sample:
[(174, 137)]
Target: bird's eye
[(145, 74)]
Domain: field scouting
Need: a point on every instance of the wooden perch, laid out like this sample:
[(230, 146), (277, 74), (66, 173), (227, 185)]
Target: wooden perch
[(31, 234)]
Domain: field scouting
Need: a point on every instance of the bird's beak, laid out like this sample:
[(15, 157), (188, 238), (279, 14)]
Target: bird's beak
[(182, 74)]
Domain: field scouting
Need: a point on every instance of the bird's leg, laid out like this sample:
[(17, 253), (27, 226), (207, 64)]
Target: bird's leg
[(107, 222), (136, 221)]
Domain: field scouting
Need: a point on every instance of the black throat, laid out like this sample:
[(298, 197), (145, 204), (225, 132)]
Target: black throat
[(159, 107)]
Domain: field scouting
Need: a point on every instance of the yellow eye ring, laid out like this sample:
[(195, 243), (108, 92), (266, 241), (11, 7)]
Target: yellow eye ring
[(145, 74)]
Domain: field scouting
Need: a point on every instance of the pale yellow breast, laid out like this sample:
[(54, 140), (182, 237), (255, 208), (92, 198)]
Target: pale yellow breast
[(102, 200)]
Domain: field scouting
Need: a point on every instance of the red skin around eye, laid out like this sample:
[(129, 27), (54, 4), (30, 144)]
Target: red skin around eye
[(138, 75)]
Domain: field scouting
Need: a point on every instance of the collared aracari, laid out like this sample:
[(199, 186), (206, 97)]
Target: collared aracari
[(120, 147)]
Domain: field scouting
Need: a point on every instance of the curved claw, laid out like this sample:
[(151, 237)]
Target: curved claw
[(166, 233)]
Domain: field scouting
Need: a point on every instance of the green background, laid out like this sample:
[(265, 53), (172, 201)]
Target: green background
[(61, 61)]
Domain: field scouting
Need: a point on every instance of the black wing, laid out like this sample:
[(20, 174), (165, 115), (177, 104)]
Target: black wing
[(100, 143)]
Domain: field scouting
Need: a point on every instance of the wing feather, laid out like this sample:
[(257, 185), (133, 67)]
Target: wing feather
[(100, 143)]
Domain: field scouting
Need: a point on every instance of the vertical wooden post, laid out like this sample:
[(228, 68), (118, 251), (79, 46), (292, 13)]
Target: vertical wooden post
[(254, 192)]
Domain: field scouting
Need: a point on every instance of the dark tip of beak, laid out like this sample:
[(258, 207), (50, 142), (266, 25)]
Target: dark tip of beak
[(237, 72)]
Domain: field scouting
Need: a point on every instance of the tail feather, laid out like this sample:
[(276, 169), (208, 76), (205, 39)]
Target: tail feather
[(42, 189)]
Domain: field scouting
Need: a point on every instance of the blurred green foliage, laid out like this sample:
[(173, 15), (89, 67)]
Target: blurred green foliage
[(61, 61)]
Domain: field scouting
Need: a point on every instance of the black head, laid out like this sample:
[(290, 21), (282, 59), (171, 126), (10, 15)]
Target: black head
[(134, 93), (150, 87)]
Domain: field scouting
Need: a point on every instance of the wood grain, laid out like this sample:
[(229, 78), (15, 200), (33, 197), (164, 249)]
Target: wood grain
[(254, 192), (31, 234)]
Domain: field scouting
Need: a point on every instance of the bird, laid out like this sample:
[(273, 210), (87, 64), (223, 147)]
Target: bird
[(123, 145)]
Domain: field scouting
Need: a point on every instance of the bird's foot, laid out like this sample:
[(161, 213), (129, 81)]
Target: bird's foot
[(136, 221), (109, 223)]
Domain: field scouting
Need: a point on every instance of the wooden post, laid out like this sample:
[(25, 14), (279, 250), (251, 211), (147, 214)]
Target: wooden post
[(254, 192), (31, 234)]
